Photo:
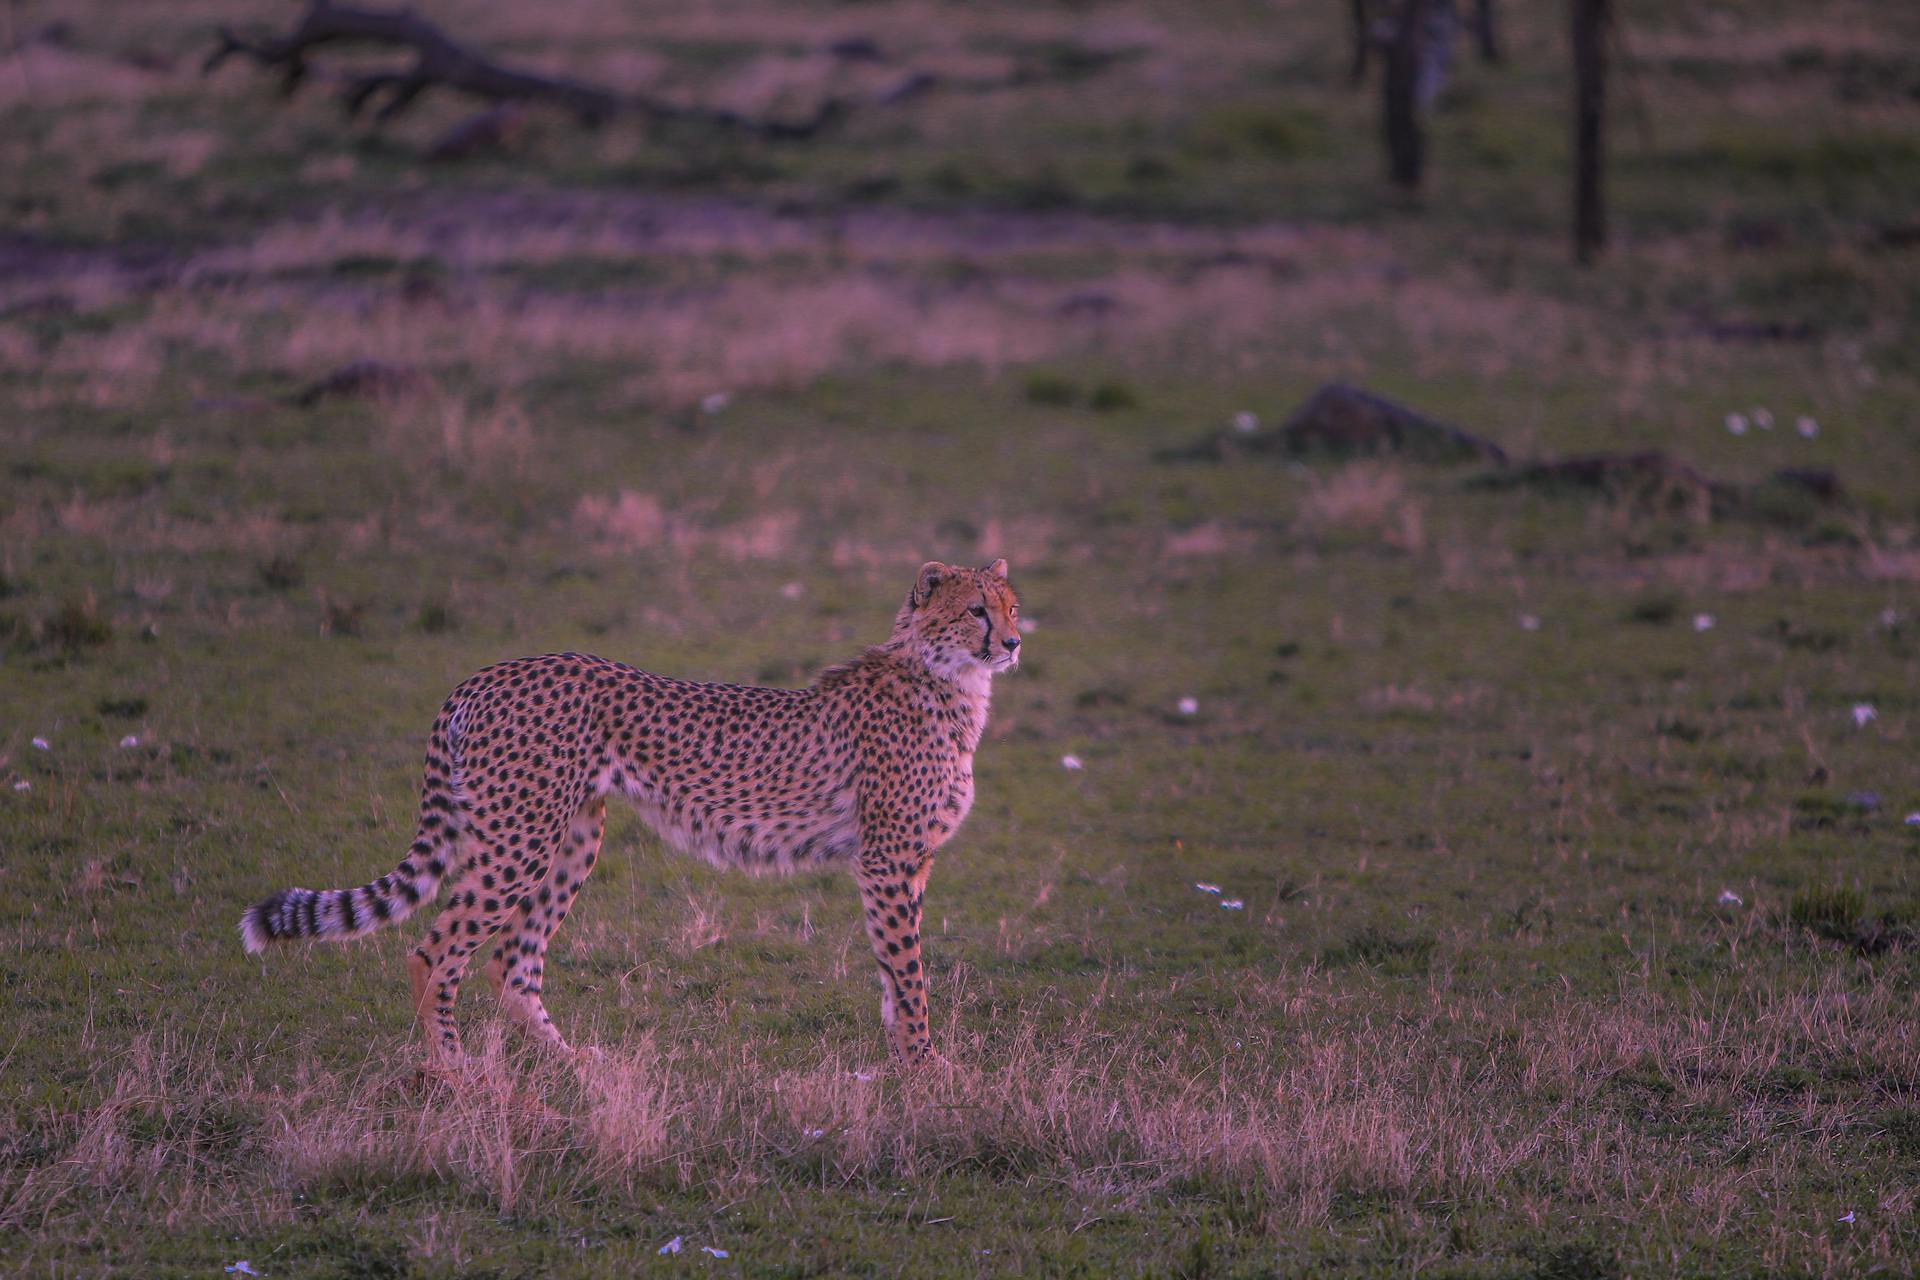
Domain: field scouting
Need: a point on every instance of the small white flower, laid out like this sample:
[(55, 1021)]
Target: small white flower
[(864, 1077), (1204, 887), (1028, 624), (1703, 622), (23, 785), (1728, 898), (1071, 762), (1529, 623), (715, 402), (1847, 1217), (813, 1133), (1807, 427), (1737, 423), (1189, 706), (41, 743), (1763, 419), (1231, 904), (131, 740), (792, 591), (1245, 423), (1862, 713), (671, 1246), (718, 1253)]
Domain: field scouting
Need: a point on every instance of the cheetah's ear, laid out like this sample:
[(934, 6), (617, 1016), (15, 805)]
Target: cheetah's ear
[(931, 574), (998, 569)]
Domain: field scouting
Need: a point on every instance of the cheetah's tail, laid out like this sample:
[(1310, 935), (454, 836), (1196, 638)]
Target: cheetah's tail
[(337, 915)]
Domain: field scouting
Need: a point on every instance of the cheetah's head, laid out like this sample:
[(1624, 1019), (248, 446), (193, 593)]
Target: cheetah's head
[(963, 621)]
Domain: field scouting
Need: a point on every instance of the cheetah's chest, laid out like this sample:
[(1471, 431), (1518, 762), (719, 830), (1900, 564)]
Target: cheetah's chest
[(960, 724), (951, 806)]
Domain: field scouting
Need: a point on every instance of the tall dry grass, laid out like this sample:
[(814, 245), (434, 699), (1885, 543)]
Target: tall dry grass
[(1366, 497), (874, 306), (1457, 1103)]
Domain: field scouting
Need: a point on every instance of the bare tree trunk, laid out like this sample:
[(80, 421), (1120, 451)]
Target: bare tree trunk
[(1436, 51), (1487, 27), (1400, 113), (1590, 20), (1362, 41)]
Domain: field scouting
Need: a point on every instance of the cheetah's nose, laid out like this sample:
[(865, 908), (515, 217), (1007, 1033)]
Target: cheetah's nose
[(1012, 642)]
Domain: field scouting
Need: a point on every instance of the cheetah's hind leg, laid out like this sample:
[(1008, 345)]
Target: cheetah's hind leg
[(489, 891), (518, 964)]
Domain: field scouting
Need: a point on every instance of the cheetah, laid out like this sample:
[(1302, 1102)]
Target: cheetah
[(870, 767)]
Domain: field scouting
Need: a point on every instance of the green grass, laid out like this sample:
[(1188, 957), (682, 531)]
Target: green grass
[(1578, 904)]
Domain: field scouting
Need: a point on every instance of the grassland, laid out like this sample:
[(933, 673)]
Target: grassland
[(1579, 907)]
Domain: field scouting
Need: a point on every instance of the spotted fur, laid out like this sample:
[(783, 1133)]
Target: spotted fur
[(870, 767)]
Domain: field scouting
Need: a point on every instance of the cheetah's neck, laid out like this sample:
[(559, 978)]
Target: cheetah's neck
[(961, 696), (957, 691)]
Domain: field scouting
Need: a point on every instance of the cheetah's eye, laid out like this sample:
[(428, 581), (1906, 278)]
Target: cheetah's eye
[(978, 611)]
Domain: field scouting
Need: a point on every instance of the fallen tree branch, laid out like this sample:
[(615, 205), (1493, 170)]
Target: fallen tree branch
[(438, 60), (441, 62), (370, 378)]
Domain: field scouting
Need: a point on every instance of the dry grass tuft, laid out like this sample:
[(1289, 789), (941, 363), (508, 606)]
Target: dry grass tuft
[(1369, 498), (632, 521), (703, 926), (440, 433), (1452, 1104)]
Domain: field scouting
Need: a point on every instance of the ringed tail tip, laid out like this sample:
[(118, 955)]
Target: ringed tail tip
[(253, 932), (258, 922)]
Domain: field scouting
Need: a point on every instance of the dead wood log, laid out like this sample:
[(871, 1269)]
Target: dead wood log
[(438, 60), (363, 379), (441, 62), (370, 378)]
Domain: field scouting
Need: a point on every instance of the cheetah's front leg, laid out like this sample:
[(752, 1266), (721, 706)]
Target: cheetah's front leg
[(891, 892)]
